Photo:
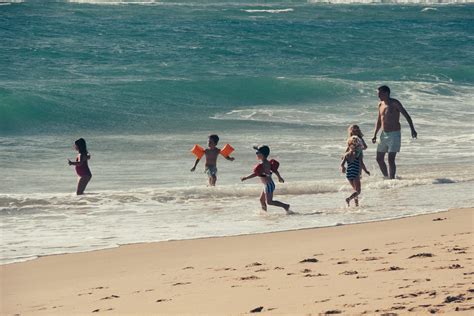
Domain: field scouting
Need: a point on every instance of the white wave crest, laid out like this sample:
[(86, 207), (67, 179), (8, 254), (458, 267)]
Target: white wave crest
[(8, 2), (269, 10), (287, 116), (118, 2), (391, 1)]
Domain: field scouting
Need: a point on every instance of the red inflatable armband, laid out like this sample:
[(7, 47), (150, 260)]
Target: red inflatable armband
[(274, 165), (258, 169)]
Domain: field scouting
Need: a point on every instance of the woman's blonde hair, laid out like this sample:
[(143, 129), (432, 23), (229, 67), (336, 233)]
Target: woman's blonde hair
[(351, 127)]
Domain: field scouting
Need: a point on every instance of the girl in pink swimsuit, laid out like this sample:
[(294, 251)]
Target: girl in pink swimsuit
[(82, 167)]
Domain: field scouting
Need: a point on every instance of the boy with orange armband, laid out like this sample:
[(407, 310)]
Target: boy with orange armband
[(211, 153)]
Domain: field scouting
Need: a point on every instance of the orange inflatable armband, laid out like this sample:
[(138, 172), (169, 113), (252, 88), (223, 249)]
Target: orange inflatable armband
[(227, 150), (198, 151)]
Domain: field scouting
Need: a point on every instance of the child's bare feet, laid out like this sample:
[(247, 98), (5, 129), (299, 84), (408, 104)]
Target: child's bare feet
[(287, 208), (356, 202), (348, 202), (264, 207)]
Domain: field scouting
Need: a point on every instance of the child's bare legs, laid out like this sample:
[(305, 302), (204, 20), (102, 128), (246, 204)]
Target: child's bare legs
[(263, 201), (355, 183), (212, 181), (270, 201), (82, 183), (358, 190)]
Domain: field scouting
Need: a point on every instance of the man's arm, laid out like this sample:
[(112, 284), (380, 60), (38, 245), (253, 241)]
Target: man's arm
[(377, 126), (408, 118)]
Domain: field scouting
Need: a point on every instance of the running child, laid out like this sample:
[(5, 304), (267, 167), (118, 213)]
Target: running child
[(82, 167), (264, 170), (355, 163), (211, 153)]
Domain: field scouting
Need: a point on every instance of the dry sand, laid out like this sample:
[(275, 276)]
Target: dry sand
[(420, 264)]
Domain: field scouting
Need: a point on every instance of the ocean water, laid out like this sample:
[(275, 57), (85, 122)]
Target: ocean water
[(143, 81)]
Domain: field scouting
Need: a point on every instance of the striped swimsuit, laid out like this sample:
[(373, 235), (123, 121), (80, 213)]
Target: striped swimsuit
[(353, 169), (270, 186)]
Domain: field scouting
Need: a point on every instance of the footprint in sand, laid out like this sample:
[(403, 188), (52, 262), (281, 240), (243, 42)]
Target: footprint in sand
[(452, 267), (368, 259), (257, 309), (252, 277), (421, 255), (314, 275), (309, 260), (225, 269), (110, 297), (418, 247), (163, 300), (181, 283), (323, 301), (462, 308), (255, 264), (455, 299), (394, 268), (349, 272), (188, 268)]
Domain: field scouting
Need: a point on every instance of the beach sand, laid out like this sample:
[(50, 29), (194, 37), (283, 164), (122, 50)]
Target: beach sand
[(420, 264)]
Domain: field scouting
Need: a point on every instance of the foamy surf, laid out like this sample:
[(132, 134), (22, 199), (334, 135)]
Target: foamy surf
[(269, 10)]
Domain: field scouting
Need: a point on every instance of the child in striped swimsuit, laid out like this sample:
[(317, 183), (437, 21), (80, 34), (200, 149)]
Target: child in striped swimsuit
[(355, 163), (264, 171)]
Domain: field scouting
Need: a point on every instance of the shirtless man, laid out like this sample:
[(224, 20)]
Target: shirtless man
[(390, 138)]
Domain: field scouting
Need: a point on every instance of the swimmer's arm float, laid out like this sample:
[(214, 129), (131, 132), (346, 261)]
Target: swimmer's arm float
[(226, 150), (198, 151)]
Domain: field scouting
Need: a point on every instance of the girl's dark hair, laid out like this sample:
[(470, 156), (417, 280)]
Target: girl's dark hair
[(81, 146)]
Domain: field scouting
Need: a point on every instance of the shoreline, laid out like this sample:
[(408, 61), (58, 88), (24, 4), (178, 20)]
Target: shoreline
[(419, 264), (225, 236)]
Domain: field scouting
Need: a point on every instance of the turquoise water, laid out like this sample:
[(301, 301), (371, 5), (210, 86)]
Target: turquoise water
[(144, 81)]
